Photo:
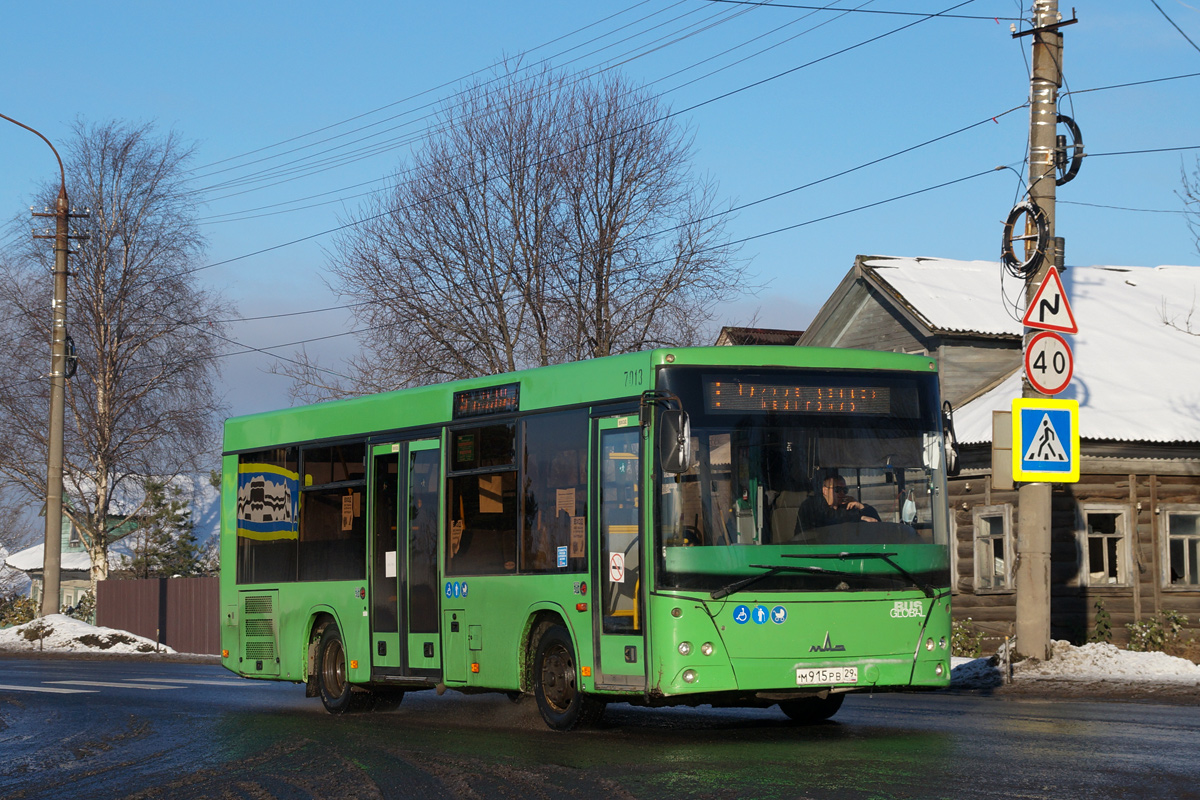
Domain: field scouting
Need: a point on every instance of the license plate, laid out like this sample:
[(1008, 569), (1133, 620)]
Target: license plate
[(826, 676)]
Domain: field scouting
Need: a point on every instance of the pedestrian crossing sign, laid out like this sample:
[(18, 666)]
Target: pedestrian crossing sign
[(1045, 444)]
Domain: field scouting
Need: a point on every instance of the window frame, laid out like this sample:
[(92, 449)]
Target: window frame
[(1083, 575), (1004, 511), (1165, 510)]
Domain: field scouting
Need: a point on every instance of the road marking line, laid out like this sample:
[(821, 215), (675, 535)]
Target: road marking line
[(115, 685), (191, 682), (48, 689)]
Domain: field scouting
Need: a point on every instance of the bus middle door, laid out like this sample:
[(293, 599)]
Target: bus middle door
[(620, 609), (405, 502)]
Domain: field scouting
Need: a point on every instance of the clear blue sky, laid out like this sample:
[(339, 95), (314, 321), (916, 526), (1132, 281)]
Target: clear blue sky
[(237, 77)]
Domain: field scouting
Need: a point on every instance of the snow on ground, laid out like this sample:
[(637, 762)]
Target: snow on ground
[(73, 636), (1091, 662)]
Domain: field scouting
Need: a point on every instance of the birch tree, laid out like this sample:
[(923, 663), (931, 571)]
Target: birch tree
[(142, 401)]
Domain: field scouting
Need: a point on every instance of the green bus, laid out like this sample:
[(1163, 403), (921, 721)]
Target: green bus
[(734, 526)]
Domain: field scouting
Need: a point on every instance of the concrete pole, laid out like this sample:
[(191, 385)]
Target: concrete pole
[(52, 548), (1034, 499), (52, 554)]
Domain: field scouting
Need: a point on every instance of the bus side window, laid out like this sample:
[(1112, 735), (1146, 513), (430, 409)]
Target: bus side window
[(333, 540), (482, 511), (554, 492)]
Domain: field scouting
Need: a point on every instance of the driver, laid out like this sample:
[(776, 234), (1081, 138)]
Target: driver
[(833, 506)]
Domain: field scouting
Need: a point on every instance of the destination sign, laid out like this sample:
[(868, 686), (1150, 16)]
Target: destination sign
[(490, 400), (790, 398)]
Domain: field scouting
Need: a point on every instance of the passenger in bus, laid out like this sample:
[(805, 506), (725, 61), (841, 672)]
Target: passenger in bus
[(833, 506)]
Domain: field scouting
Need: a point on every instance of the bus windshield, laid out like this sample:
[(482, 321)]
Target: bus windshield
[(798, 471)]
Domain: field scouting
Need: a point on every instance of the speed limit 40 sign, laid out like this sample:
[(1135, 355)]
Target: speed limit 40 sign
[(1048, 363)]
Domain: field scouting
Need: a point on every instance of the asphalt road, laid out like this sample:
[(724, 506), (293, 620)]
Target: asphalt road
[(108, 729)]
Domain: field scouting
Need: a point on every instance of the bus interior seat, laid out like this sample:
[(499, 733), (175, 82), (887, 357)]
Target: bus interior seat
[(784, 512)]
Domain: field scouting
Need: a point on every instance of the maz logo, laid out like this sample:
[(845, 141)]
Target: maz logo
[(828, 647)]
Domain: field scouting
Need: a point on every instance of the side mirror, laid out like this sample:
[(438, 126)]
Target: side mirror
[(675, 441), (950, 438)]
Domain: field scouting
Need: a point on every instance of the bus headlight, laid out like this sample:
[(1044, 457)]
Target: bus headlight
[(706, 648), (689, 676), (685, 648), (929, 644)]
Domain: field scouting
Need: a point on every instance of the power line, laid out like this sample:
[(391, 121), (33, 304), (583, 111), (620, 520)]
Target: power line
[(432, 89), (668, 116), (215, 218), (1132, 83), (994, 119), (813, 221), (400, 141), (1124, 208), (1142, 152), (1173, 25), (867, 11)]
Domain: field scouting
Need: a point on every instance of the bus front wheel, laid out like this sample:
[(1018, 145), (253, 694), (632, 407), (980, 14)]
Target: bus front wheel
[(563, 706), (808, 710), (331, 672)]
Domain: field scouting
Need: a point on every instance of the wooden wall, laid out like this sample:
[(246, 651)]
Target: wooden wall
[(1072, 605)]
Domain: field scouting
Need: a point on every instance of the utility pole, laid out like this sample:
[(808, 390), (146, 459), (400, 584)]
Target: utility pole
[(52, 547), (52, 552), (1034, 499)]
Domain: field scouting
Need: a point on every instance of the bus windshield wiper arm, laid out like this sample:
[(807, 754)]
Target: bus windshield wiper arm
[(886, 557), (771, 571)]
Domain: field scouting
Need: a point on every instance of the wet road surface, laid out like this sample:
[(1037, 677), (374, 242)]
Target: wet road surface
[(109, 729)]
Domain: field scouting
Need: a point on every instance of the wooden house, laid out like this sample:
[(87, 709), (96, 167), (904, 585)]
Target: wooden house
[(1127, 535)]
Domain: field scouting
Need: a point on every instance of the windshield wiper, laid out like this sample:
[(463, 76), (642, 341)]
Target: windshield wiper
[(886, 557), (771, 571)]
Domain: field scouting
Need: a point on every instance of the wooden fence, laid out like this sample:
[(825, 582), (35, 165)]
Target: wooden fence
[(181, 613)]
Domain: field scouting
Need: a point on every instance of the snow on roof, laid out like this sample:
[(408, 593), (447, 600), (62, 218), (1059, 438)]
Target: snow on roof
[(1135, 354), (31, 558), (952, 296)]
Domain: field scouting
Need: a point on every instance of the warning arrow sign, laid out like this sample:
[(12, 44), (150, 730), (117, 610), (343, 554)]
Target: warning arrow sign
[(1049, 310)]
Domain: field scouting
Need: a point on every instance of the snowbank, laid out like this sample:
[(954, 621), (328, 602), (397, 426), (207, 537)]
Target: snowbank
[(1091, 662), (69, 635)]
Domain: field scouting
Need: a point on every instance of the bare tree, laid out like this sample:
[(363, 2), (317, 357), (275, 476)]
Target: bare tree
[(551, 218), (142, 402), (1191, 200)]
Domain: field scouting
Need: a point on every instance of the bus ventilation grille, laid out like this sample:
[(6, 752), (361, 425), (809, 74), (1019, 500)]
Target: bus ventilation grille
[(260, 627), (263, 650), (258, 604)]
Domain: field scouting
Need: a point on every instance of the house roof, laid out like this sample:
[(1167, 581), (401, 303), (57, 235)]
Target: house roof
[(731, 335), (950, 296), (1135, 354), (31, 559)]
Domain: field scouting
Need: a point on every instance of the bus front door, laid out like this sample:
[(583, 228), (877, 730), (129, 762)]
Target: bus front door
[(404, 606), (620, 609)]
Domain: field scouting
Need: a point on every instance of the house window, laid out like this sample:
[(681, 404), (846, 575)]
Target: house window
[(993, 548), (1182, 541), (1104, 545)]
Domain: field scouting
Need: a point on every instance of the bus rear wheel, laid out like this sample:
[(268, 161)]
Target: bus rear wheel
[(563, 706), (335, 691), (808, 710)]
